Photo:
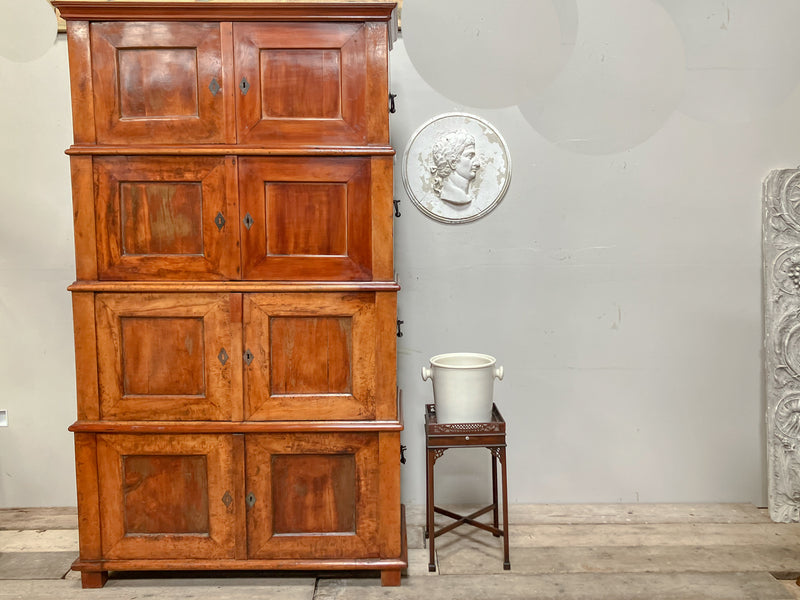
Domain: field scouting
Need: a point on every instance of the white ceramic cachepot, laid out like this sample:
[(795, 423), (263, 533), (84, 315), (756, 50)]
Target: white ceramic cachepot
[(463, 385)]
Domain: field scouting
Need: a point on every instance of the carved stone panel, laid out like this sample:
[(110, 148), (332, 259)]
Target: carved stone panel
[(781, 252)]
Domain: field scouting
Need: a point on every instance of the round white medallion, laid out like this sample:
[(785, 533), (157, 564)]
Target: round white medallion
[(456, 168)]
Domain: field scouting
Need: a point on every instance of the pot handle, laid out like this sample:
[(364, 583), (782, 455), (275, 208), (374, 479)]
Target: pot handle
[(498, 372), (426, 373)]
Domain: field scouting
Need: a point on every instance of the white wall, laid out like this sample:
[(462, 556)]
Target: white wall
[(36, 265), (618, 282)]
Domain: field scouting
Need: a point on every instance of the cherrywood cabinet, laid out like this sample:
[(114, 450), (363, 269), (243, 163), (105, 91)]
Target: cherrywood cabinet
[(320, 83), (313, 493), (314, 356), (163, 496), (155, 82), (332, 63), (257, 217), (235, 302), (310, 218), (307, 495), (166, 217), (169, 356)]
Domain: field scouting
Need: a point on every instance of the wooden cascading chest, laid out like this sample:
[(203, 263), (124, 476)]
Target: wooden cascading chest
[(235, 302)]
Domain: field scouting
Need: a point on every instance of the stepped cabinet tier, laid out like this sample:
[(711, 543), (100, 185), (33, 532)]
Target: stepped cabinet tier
[(235, 306), (173, 77)]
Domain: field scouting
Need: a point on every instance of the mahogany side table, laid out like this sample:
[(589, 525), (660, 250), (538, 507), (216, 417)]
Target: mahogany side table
[(440, 437)]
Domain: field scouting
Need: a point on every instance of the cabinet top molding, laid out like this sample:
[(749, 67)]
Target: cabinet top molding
[(221, 10)]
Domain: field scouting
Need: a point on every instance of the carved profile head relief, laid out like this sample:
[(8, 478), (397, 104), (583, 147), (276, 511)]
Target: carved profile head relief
[(456, 168), (454, 165)]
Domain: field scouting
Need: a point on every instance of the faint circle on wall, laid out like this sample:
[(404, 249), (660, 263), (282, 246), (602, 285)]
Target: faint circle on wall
[(742, 57), (30, 32), (487, 57), (621, 83), (456, 168)]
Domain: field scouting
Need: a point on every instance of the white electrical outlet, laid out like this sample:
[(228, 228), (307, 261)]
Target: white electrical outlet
[(3, 417)]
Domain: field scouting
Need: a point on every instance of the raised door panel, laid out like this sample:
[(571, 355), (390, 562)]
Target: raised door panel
[(157, 83), (312, 495), (310, 83), (166, 218), (168, 496), (169, 356), (309, 356), (306, 218)]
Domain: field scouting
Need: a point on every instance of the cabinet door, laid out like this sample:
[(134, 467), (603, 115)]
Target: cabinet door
[(168, 496), (312, 495), (311, 83), (169, 356), (312, 356), (306, 218), (166, 218), (157, 83)]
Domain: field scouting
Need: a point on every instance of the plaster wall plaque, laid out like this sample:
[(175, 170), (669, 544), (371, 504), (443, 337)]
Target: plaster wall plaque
[(456, 168), (781, 253)]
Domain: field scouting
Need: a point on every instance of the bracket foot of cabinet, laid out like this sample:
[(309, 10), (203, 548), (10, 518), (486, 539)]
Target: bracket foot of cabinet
[(93, 579), (390, 578)]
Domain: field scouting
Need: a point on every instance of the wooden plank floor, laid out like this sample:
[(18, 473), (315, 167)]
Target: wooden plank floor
[(586, 552)]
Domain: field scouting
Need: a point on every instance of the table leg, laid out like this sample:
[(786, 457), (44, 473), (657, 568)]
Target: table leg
[(494, 491), (506, 560), (431, 533)]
